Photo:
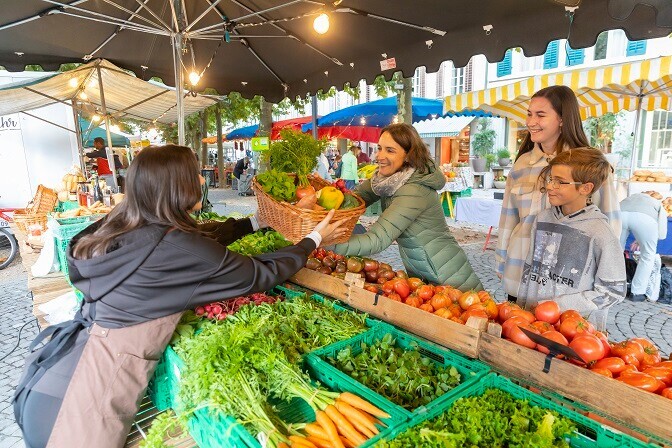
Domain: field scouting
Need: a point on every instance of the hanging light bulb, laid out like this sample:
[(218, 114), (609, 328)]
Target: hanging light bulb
[(321, 23), (194, 78), (95, 118), (362, 121), (73, 82), (83, 96)]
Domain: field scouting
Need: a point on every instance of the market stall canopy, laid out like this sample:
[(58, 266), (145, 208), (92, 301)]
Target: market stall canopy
[(631, 86), (125, 95), (445, 126), (247, 132), (377, 113), (91, 131), (269, 47)]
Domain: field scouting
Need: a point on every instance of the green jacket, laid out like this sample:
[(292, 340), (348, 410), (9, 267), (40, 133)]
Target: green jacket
[(349, 170), (413, 217)]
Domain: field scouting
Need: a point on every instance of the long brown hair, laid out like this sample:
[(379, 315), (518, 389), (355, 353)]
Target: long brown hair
[(162, 185), (417, 154), (564, 103)]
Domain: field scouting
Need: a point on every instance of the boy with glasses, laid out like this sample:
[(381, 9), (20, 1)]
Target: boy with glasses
[(575, 258)]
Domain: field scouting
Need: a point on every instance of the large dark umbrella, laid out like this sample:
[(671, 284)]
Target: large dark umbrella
[(269, 47)]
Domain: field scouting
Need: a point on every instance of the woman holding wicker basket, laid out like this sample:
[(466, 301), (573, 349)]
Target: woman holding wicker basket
[(406, 183)]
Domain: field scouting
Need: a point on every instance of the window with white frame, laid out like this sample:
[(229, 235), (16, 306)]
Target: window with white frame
[(661, 139), (457, 81)]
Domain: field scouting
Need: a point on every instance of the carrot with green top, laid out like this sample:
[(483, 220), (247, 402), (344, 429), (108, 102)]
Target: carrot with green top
[(359, 403), (329, 426), (344, 426)]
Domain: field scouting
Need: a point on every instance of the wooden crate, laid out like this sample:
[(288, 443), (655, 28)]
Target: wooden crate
[(625, 405), (462, 338)]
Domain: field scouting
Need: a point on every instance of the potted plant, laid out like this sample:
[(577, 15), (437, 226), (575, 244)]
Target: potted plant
[(500, 182), (482, 142), (490, 160), (504, 157)]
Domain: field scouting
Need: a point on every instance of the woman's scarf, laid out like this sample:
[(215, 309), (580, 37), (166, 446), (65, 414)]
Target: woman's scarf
[(388, 185)]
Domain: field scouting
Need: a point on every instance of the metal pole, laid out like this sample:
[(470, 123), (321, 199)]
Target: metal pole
[(110, 153), (78, 134), (313, 102), (635, 146), (179, 86)]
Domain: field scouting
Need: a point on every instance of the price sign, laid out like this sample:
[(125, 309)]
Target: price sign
[(260, 143)]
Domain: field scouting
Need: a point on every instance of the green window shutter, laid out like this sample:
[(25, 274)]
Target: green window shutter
[(551, 55), (504, 67), (635, 48)]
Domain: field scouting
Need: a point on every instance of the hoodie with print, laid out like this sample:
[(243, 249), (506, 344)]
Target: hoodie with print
[(575, 260)]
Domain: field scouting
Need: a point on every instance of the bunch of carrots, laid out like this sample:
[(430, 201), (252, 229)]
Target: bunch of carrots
[(347, 423)]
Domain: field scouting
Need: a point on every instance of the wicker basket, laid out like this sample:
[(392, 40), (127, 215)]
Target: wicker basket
[(295, 223), (36, 213)]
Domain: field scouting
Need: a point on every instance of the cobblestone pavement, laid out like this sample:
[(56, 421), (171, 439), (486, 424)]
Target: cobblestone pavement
[(626, 319)]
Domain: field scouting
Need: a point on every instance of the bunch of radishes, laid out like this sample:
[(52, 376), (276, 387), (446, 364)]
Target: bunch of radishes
[(220, 310)]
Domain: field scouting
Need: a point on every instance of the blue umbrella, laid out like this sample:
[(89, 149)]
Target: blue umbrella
[(243, 133)]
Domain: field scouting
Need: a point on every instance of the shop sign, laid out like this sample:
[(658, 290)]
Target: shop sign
[(260, 144), (9, 123)]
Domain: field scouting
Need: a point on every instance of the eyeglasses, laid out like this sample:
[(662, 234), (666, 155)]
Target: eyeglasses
[(555, 183)]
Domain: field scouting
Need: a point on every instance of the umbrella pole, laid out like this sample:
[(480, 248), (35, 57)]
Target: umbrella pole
[(179, 86), (633, 161), (78, 134), (110, 153), (313, 103)]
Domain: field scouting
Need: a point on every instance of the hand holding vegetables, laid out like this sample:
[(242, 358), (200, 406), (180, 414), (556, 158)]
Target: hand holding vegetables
[(330, 231)]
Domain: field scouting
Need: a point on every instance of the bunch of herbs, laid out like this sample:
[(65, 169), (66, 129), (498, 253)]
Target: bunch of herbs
[(404, 377), (295, 152)]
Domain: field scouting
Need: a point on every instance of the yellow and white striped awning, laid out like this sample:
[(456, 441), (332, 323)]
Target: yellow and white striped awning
[(600, 90)]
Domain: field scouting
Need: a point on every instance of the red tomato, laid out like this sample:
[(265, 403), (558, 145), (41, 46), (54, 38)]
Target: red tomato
[(455, 309), (605, 342), (453, 293), (467, 299), (553, 336), (662, 373), (520, 338), (484, 295), (413, 301), (457, 320), (427, 307), (394, 296), (573, 326), (388, 287), (624, 348), (415, 283), (505, 309), (542, 326), (440, 301), (528, 316), (629, 368), (588, 347), (491, 308), (401, 287), (443, 312), (613, 364), (371, 287), (642, 381), (474, 313), (667, 392), (645, 343), (547, 312), (426, 292), (512, 322), (570, 313), (604, 372), (667, 364)]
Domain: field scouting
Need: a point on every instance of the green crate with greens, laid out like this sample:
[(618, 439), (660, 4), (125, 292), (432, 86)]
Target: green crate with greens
[(495, 412), (402, 369)]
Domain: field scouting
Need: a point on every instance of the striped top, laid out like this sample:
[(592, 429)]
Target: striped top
[(523, 200)]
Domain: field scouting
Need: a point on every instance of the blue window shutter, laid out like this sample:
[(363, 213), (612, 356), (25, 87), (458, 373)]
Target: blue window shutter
[(504, 67), (574, 57), (551, 55), (635, 48)]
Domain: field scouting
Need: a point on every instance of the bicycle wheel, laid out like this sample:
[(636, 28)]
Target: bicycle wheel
[(8, 248)]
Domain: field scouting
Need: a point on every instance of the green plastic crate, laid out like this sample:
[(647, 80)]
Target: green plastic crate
[(163, 386), (470, 370), (591, 434), (64, 206)]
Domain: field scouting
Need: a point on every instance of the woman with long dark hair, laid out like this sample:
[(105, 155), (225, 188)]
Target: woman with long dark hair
[(406, 183), (139, 269), (554, 125)]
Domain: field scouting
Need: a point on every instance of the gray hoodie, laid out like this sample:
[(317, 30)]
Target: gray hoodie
[(575, 260)]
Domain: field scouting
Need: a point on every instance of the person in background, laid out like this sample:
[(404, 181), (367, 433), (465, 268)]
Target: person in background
[(100, 154), (322, 168), (574, 258), (241, 166), (644, 216), (139, 269), (349, 168), (554, 125), (337, 166), (362, 158), (405, 184)]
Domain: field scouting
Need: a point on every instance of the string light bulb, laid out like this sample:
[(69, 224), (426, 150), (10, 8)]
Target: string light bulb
[(73, 82), (362, 121), (194, 78), (95, 118), (83, 96), (321, 24)]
